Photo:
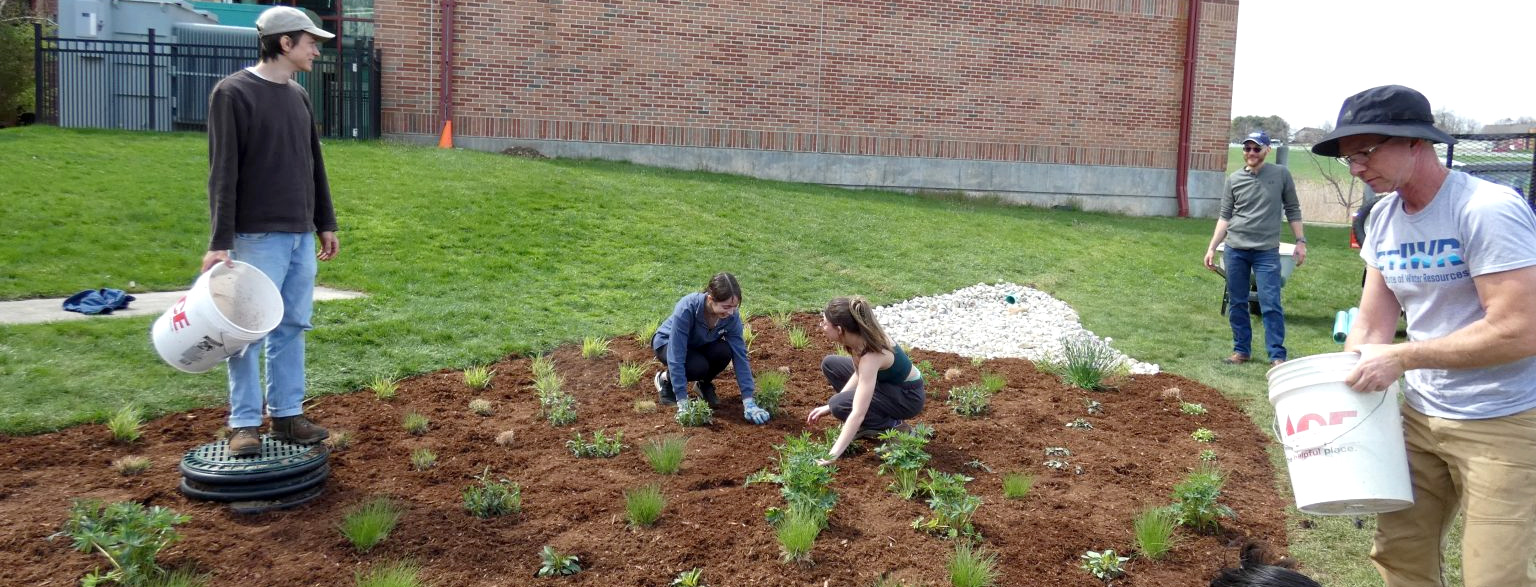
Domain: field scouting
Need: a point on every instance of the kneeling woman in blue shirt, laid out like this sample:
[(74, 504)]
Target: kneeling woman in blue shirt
[(698, 340), (878, 388)]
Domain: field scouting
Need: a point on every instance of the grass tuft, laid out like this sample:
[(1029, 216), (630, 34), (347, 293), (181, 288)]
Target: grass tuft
[(478, 377), (416, 423), (594, 348), (797, 534), (781, 318), (506, 438), (1017, 485), (1154, 532), (131, 465), (1088, 362), (644, 505), (972, 567), (798, 338), (481, 407), (770, 390), (369, 524), (339, 440), (423, 459), (384, 388), (125, 424), (666, 453), (396, 574), (631, 373)]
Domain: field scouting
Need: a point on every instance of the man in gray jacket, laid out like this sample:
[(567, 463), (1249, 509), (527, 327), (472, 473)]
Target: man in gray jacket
[(1249, 224)]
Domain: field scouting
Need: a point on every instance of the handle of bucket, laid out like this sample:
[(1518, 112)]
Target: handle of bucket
[(1275, 427)]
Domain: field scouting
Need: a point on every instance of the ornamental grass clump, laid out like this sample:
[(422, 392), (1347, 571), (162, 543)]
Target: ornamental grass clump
[(481, 407), (665, 454), (1088, 362), (396, 574), (781, 318), (416, 423), (647, 332), (601, 445), (339, 440), (1195, 500), (423, 459), (1017, 485), (798, 338), (972, 566), (1154, 532), (993, 382), (493, 498), (127, 533), (747, 335), (970, 401), (902, 456), (124, 424), (478, 377), (797, 534), (369, 524), (384, 388), (644, 505), (630, 373), (594, 348), (770, 390), (541, 366), (131, 465)]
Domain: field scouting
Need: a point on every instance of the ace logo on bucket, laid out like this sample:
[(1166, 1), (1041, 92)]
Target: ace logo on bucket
[(179, 315), (1308, 421)]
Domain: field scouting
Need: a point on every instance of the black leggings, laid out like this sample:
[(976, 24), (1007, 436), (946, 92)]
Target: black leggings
[(892, 402), (705, 361)]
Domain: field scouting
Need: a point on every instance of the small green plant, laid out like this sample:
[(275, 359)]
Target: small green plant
[(1058, 451), (1207, 456), (770, 390), (1088, 362), (903, 457), (601, 446), (478, 377), (556, 564), (972, 567), (979, 465), (423, 459), (977, 361), (797, 533), (561, 412), (384, 388), (952, 506), (481, 407), (416, 423), (1154, 532), (747, 335), (804, 482), (1094, 407), (665, 454), (1104, 565), (970, 401), (1017, 485), (339, 440), (548, 384), (541, 366), (691, 578), (781, 318), (630, 373), (1195, 502), (646, 332), (131, 465), (369, 524), (594, 348), (125, 424), (182, 578), (1192, 409), (644, 505), (925, 366), (1080, 424), (493, 498), (798, 338), (694, 414), (993, 382), (396, 574), (1203, 435), (127, 533)]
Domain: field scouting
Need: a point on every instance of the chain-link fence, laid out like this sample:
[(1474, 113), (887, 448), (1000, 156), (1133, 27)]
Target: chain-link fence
[(1507, 159)]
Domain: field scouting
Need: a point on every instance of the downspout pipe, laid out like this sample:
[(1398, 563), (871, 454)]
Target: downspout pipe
[(1186, 118), (445, 63)]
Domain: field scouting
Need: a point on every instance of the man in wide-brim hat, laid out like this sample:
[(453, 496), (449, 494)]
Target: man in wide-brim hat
[(1458, 255)]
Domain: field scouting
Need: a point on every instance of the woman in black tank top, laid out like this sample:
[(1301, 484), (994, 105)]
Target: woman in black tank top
[(876, 388)]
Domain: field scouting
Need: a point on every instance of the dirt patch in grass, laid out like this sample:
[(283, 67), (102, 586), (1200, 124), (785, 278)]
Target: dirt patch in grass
[(1139, 448)]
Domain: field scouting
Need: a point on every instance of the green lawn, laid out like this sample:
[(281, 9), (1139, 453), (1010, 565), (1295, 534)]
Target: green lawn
[(1303, 164), (469, 256)]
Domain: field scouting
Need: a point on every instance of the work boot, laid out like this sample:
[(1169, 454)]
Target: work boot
[(1236, 359), (663, 389), (298, 430), (244, 442), (707, 391)]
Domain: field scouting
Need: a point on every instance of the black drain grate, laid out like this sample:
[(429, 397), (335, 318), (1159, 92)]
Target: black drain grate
[(286, 501), (210, 463), (254, 491)]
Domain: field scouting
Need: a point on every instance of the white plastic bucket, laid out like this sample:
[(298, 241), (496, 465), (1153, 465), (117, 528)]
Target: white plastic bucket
[(1344, 449), (227, 309)]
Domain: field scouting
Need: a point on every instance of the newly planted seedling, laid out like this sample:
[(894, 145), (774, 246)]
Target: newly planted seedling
[(970, 401), (1104, 565), (1094, 407), (694, 414), (1207, 456), (384, 388), (369, 524), (1088, 362), (977, 464), (506, 438), (770, 390), (993, 382), (339, 440), (541, 366), (797, 533), (1017, 485), (630, 373), (747, 335), (131, 465), (972, 566), (127, 533), (396, 574), (416, 423), (1080, 424), (952, 506), (493, 498), (1195, 502), (644, 505), (781, 318), (594, 348), (125, 424), (798, 338), (561, 410), (547, 385), (600, 446), (1057, 451), (555, 564), (481, 407), (1203, 435), (1192, 409), (902, 456), (977, 361), (665, 454), (691, 578), (646, 332), (478, 377), (423, 459), (1154, 532)]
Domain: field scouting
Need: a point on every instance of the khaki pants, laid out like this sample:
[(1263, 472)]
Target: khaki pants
[(1485, 469)]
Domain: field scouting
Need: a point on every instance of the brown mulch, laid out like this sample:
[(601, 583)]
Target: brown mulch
[(1139, 448)]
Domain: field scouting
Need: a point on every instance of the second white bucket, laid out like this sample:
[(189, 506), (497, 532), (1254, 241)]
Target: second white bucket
[(1344, 449), (227, 309)]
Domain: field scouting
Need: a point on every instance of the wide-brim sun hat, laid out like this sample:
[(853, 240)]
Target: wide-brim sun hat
[(1390, 111)]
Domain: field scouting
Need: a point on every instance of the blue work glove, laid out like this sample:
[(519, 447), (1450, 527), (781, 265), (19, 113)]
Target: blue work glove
[(752, 413)]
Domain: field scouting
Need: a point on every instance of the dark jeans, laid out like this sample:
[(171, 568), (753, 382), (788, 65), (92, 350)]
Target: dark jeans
[(704, 362), (892, 402), (1265, 265)]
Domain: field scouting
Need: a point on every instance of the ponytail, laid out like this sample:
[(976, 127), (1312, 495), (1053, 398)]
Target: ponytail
[(723, 287), (855, 314)]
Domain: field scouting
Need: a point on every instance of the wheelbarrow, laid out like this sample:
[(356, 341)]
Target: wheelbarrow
[(1287, 266)]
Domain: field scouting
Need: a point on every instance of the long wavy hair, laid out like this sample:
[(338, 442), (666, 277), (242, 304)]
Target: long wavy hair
[(854, 314)]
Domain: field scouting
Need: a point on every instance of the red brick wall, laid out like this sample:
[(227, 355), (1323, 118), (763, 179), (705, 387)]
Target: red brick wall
[(1057, 81)]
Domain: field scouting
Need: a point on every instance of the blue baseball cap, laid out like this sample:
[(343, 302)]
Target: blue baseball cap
[(1259, 137)]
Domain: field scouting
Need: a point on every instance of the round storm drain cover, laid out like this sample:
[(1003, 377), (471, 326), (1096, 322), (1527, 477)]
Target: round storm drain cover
[(277, 503), (254, 491), (210, 463)]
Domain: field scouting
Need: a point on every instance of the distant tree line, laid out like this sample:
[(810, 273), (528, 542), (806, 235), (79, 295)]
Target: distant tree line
[(1278, 128)]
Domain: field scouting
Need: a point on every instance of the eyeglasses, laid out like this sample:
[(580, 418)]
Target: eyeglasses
[(1362, 156), (1252, 149)]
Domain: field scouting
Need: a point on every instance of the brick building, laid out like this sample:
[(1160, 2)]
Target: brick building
[(1074, 102)]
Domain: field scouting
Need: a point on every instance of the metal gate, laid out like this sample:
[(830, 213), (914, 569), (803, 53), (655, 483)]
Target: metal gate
[(1507, 159)]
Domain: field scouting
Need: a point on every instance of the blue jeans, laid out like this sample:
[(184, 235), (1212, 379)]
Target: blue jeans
[(1265, 265), (288, 258)]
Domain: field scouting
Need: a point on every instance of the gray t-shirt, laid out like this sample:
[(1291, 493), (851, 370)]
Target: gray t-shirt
[(1252, 205), (1471, 228)]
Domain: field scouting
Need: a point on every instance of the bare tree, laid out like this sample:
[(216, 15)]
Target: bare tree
[(1346, 195), (1452, 123)]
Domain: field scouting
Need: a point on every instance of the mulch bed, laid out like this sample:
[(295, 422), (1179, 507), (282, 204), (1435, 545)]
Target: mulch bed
[(1139, 448)]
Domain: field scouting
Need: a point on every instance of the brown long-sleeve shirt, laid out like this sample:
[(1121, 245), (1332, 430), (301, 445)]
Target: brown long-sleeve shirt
[(265, 172)]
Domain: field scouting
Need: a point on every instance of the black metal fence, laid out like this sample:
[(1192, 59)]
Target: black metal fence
[(151, 85), (1508, 159)]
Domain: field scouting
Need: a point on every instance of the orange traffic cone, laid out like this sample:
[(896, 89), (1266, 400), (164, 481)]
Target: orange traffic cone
[(446, 142)]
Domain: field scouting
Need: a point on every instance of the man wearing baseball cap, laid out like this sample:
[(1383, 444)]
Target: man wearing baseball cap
[(269, 199), (1249, 224), (1458, 255)]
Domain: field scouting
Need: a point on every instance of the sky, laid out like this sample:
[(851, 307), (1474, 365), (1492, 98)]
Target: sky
[(1299, 59)]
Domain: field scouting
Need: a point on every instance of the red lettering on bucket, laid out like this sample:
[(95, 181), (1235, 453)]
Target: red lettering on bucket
[(1307, 420), (179, 315)]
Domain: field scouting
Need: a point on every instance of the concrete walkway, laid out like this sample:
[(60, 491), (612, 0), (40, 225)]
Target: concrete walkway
[(143, 304)]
